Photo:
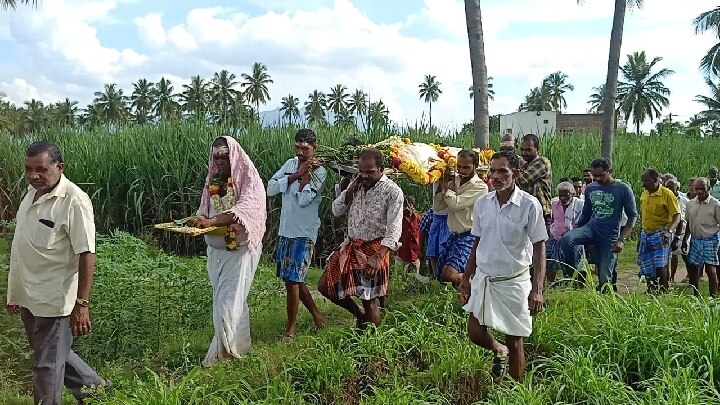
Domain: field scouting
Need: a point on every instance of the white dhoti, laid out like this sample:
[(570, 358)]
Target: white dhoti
[(231, 274), (501, 302)]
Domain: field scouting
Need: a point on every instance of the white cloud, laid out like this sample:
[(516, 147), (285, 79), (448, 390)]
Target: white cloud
[(60, 36), (151, 29), (18, 90), (319, 44)]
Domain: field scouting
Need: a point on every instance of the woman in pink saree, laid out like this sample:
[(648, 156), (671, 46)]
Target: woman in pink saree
[(233, 199)]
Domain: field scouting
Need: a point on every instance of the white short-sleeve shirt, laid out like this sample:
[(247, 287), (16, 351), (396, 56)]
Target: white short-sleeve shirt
[(507, 232), (50, 235)]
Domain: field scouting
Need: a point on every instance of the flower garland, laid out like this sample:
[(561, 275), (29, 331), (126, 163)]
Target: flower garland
[(444, 154), (485, 155), (214, 188), (412, 169)]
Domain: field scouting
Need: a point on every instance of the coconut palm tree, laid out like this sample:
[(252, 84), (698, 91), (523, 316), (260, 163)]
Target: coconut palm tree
[(709, 118), (596, 99), (34, 116), (710, 21), (345, 119), (93, 116), (165, 105), (65, 112), (6, 4), (430, 92), (337, 100), (611, 83), (223, 93), (476, 42), (358, 105), (141, 100), (255, 85), (315, 107), (241, 114), (538, 99), (379, 115), (10, 118), (557, 86), (642, 93), (490, 91), (290, 106), (112, 102), (194, 97)]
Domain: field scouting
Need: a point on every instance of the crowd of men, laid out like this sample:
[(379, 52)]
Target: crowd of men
[(493, 239)]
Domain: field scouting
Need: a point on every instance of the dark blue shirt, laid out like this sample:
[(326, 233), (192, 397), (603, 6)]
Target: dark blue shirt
[(604, 205)]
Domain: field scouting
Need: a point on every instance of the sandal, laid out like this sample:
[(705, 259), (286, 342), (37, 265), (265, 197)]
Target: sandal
[(315, 329), (500, 366), (288, 338)]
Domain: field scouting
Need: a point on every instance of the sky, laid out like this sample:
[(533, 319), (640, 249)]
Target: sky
[(71, 48)]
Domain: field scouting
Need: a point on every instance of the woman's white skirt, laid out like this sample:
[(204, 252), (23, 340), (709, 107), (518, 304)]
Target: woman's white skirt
[(231, 275)]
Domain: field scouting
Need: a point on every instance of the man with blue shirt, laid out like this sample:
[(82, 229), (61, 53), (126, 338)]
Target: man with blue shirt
[(300, 181), (599, 223)]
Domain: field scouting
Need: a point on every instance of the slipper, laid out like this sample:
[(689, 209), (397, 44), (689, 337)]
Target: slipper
[(288, 338), (94, 390), (500, 366), (315, 329)]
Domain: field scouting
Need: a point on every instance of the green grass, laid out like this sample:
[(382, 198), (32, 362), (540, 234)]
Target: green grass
[(586, 348), (138, 176)]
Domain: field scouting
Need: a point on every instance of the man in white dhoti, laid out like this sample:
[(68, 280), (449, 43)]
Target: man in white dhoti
[(496, 290), (233, 200)]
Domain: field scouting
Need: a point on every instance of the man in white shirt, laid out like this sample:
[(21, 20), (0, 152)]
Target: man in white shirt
[(496, 289), (52, 261)]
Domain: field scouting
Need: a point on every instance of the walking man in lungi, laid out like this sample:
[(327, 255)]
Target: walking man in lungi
[(300, 182), (360, 268), (703, 217), (496, 290), (52, 263), (457, 195), (660, 214)]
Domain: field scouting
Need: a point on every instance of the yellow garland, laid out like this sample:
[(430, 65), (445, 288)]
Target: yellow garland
[(485, 155), (219, 207), (413, 170)]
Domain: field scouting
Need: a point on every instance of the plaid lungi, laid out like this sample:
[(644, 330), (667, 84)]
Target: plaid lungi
[(455, 252), (704, 250), (344, 271), (554, 257), (293, 258), (652, 254), (439, 232), (426, 221)]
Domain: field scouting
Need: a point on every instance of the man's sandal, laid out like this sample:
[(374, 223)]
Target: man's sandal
[(500, 366)]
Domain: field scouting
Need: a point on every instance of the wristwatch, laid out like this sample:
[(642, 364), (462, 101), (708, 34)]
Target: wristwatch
[(82, 302)]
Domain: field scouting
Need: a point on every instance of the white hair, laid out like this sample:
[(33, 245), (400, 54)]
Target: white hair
[(566, 186)]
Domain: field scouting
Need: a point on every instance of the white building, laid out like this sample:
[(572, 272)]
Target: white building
[(528, 122), (550, 123)]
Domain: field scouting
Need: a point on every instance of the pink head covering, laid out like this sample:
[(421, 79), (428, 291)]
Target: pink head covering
[(250, 200)]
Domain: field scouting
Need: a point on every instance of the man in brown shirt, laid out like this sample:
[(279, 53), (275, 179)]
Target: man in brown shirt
[(703, 217), (536, 176)]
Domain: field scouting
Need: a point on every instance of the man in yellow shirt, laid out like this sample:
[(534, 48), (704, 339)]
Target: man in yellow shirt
[(660, 214), (52, 261), (458, 195)]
